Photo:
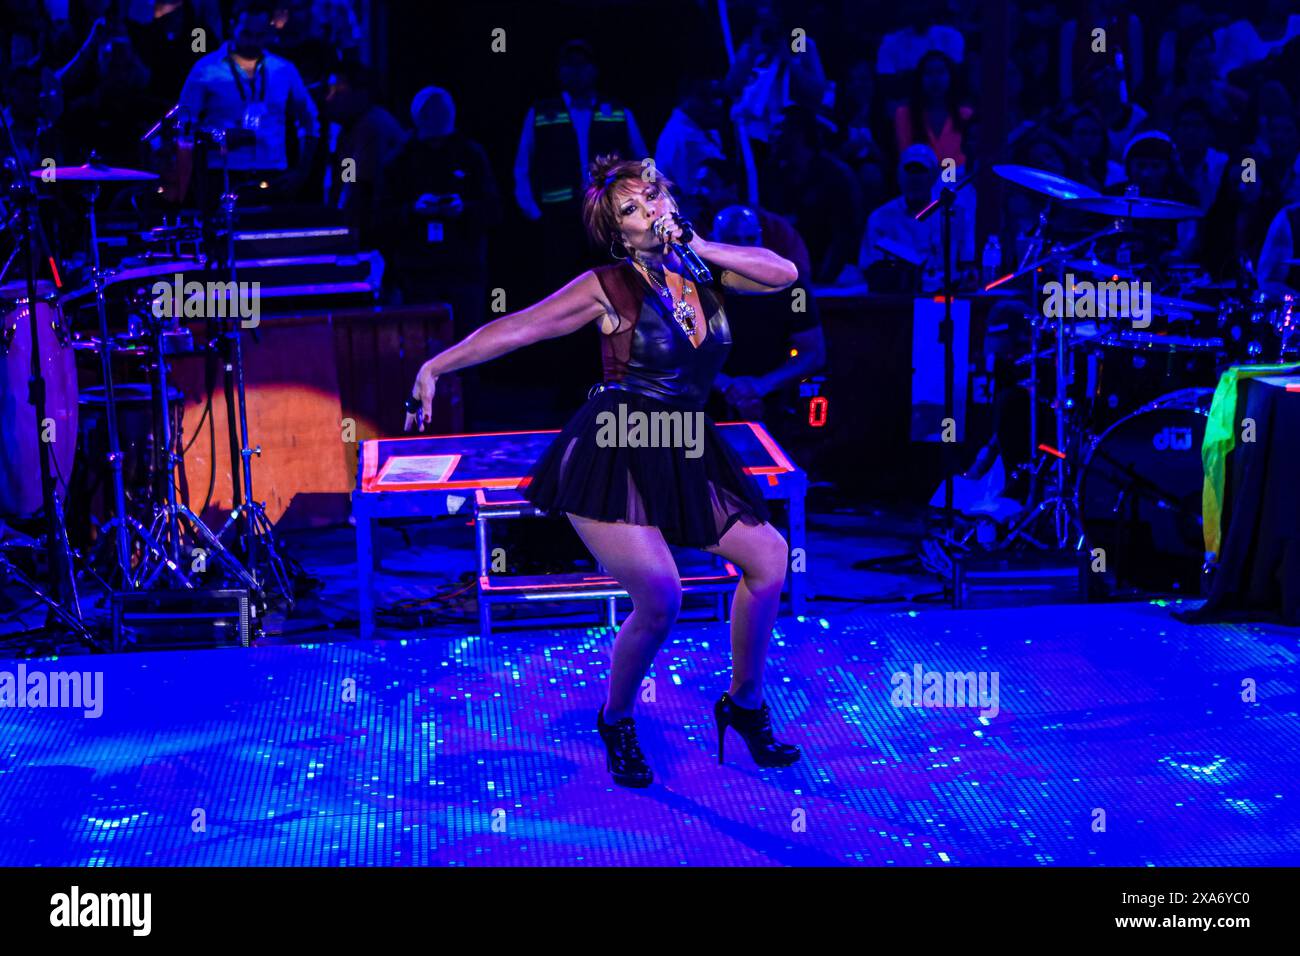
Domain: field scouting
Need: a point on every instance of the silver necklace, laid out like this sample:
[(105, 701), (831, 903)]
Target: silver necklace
[(683, 312)]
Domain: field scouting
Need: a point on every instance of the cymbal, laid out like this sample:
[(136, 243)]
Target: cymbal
[(92, 173), (1098, 268), (1166, 304), (1134, 207), (1045, 183)]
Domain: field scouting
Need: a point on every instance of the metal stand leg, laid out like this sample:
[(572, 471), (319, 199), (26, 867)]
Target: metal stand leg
[(365, 569), (798, 540)]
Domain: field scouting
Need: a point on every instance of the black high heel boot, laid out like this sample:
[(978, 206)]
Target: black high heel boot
[(754, 724), (623, 757)]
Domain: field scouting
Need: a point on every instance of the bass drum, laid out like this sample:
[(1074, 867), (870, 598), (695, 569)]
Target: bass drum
[(20, 470), (1139, 493)]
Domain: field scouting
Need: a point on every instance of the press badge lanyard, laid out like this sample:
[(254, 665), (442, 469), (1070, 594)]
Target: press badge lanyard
[(259, 73)]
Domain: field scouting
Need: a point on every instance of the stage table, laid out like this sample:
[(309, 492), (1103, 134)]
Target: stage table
[(432, 475)]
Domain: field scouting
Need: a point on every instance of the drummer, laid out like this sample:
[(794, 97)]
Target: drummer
[(1151, 168)]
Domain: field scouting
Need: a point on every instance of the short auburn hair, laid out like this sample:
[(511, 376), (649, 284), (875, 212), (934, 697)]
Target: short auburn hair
[(599, 210)]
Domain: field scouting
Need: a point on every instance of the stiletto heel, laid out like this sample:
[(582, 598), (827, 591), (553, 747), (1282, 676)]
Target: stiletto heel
[(754, 724)]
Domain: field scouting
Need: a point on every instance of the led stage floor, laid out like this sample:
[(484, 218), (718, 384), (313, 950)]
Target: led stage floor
[(464, 751)]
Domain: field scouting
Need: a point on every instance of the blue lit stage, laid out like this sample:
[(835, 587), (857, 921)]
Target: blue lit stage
[(460, 751)]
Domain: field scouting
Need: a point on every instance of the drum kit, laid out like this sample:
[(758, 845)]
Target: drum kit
[(153, 540), (1116, 472)]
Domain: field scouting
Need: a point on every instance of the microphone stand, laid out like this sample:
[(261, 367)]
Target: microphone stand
[(944, 204)]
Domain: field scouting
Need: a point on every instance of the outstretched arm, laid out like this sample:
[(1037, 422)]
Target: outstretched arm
[(560, 313)]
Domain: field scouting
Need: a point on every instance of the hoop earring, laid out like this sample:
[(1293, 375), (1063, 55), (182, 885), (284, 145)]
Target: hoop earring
[(615, 255)]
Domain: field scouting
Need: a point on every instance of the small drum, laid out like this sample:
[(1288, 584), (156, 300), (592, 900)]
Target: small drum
[(1260, 330), (1139, 493), (1125, 370), (133, 324), (20, 471)]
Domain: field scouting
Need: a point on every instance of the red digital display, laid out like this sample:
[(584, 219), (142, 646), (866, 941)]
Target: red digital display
[(817, 409)]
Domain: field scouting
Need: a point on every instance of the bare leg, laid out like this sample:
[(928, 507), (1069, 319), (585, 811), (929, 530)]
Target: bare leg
[(761, 552), (638, 559)]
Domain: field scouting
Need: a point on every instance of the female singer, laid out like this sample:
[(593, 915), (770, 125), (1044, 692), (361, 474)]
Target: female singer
[(664, 338)]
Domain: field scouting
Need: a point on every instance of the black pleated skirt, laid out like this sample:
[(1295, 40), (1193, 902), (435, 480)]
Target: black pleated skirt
[(691, 488)]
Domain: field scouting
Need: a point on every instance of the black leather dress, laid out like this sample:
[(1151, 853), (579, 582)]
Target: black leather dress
[(693, 493)]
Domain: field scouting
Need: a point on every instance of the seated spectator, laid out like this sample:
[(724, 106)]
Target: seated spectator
[(1089, 151), (1279, 140), (768, 77), (862, 143), (691, 134), (1123, 47), (1039, 81), (1103, 90), (1188, 17), (934, 114), (893, 229), (901, 51), (1250, 41), (1202, 164), (717, 187), (1197, 78), (1234, 227), (777, 339), (817, 192)]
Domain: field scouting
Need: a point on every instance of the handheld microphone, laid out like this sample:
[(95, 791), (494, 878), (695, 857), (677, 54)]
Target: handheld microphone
[(694, 264)]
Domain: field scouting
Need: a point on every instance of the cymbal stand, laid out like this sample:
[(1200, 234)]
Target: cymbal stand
[(1066, 526), (256, 532), (65, 604), (174, 517), (124, 525)]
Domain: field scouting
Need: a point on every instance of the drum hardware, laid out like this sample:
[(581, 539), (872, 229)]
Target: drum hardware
[(1062, 499), (1051, 185), (248, 516), (94, 174), (1055, 498), (173, 517), (1170, 305), (1133, 207), (1261, 327), (1123, 473), (1139, 492), (944, 205), (64, 603), (1128, 368)]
